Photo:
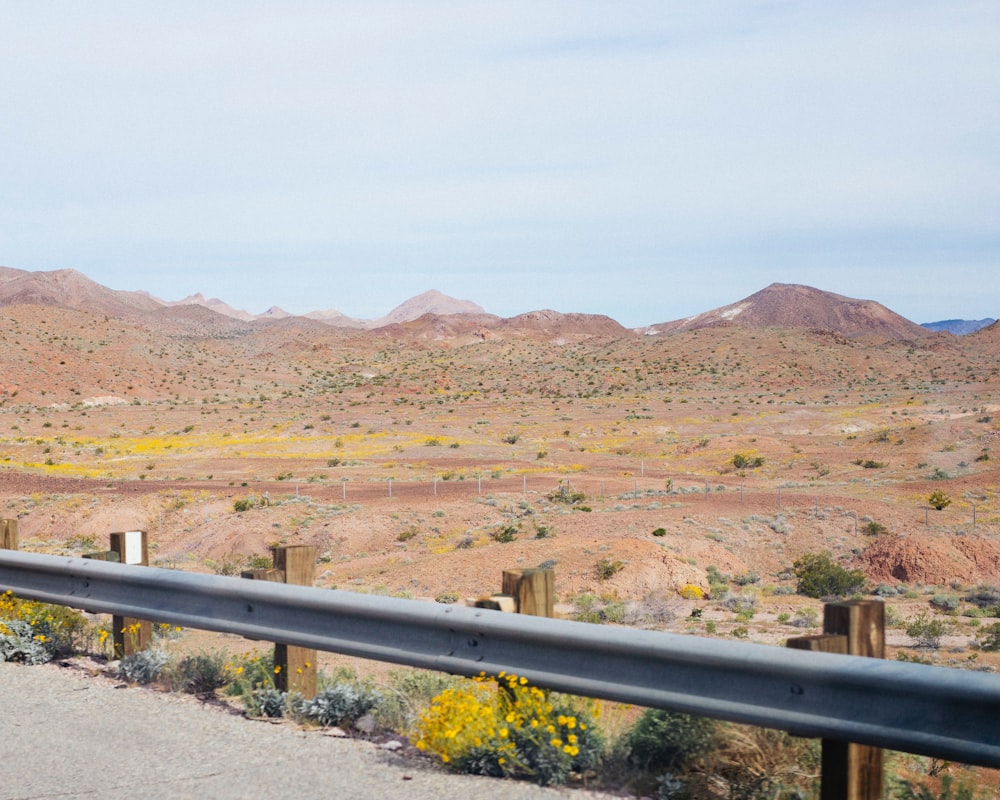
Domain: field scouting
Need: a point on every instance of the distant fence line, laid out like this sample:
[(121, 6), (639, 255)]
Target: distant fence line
[(665, 489)]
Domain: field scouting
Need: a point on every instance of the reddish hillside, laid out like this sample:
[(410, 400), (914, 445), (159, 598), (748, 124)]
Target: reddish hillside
[(67, 288), (783, 305)]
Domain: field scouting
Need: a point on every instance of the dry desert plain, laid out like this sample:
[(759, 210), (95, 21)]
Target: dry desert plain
[(424, 459), (403, 455)]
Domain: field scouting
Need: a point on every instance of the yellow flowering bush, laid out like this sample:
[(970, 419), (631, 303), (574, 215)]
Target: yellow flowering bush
[(37, 632), (504, 727), (690, 591)]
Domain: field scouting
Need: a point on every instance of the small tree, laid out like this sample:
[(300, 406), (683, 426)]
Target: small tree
[(819, 577), (939, 500)]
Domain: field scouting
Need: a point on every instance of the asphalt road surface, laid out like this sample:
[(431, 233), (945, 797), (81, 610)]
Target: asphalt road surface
[(66, 735)]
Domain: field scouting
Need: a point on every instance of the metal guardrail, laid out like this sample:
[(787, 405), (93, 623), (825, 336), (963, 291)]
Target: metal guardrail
[(932, 711)]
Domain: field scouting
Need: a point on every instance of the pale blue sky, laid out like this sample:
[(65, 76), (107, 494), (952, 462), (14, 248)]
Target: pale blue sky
[(648, 161)]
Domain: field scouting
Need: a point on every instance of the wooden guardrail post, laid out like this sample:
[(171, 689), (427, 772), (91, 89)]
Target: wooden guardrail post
[(9, 538), (533, 590), (295, 667), (850, 771), (130, 635), (524, 591)]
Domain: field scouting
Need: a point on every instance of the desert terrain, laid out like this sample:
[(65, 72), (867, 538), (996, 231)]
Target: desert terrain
[(423, 457)]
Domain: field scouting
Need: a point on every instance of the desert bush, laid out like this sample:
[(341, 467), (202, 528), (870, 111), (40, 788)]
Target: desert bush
[(926, 631), (504, 534), (340, 704), (607, 568), (807, 617), (144, 667), (202, 673), (565, 495), (408, 692), (939, 500), (515, 731), (18, 643), (746, 578), (818, 576), (738, 603), (985, 597), (36, 632), (409, 533), (267, 701), (447, 598), (988, 638), (241, 504), (691, 592), (947, 603), (660, 532), (652, 611), (747, 461), (874, 528), (667, 740)]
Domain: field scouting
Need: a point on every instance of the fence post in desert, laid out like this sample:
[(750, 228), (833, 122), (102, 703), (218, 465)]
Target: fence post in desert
[(130, 635), (9, 537), (295, 666), (533, 590), (855, 627)]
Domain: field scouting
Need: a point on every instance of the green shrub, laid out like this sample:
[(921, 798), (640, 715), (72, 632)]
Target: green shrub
[(819, 577), (504, 534), (565, 495), (988, 638), (341, 704), (666, 740), (202, 673), (607, 568), (267, 701), (747, 461), (939, 500), (926, 631)]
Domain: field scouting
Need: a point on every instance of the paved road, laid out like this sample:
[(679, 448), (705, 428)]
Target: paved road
[(66, 735)]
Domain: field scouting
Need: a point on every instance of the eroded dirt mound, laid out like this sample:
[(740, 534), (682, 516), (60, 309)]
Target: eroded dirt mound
[(937, 560)]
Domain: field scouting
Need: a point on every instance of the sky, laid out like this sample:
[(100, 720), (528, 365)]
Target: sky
[(644, 160)]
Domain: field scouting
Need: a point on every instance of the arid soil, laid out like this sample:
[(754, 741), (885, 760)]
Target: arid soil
[(407, 458), (424, 459)]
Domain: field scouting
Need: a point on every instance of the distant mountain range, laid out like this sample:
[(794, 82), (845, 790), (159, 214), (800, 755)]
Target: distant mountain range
[(435, 315), (959, 327)]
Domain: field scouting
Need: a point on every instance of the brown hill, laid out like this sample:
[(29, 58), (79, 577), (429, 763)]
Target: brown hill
[(783, 305), (214, 303), (555, 323), (430, 302), (67, 288)]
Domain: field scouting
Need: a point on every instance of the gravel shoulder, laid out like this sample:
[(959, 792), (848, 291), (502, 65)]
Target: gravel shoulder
[(67, 734)]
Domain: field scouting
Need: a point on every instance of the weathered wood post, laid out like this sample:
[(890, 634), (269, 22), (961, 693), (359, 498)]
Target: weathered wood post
[(295, 667), (9, 537), (533, 590), (130, 635), (850, 771)]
